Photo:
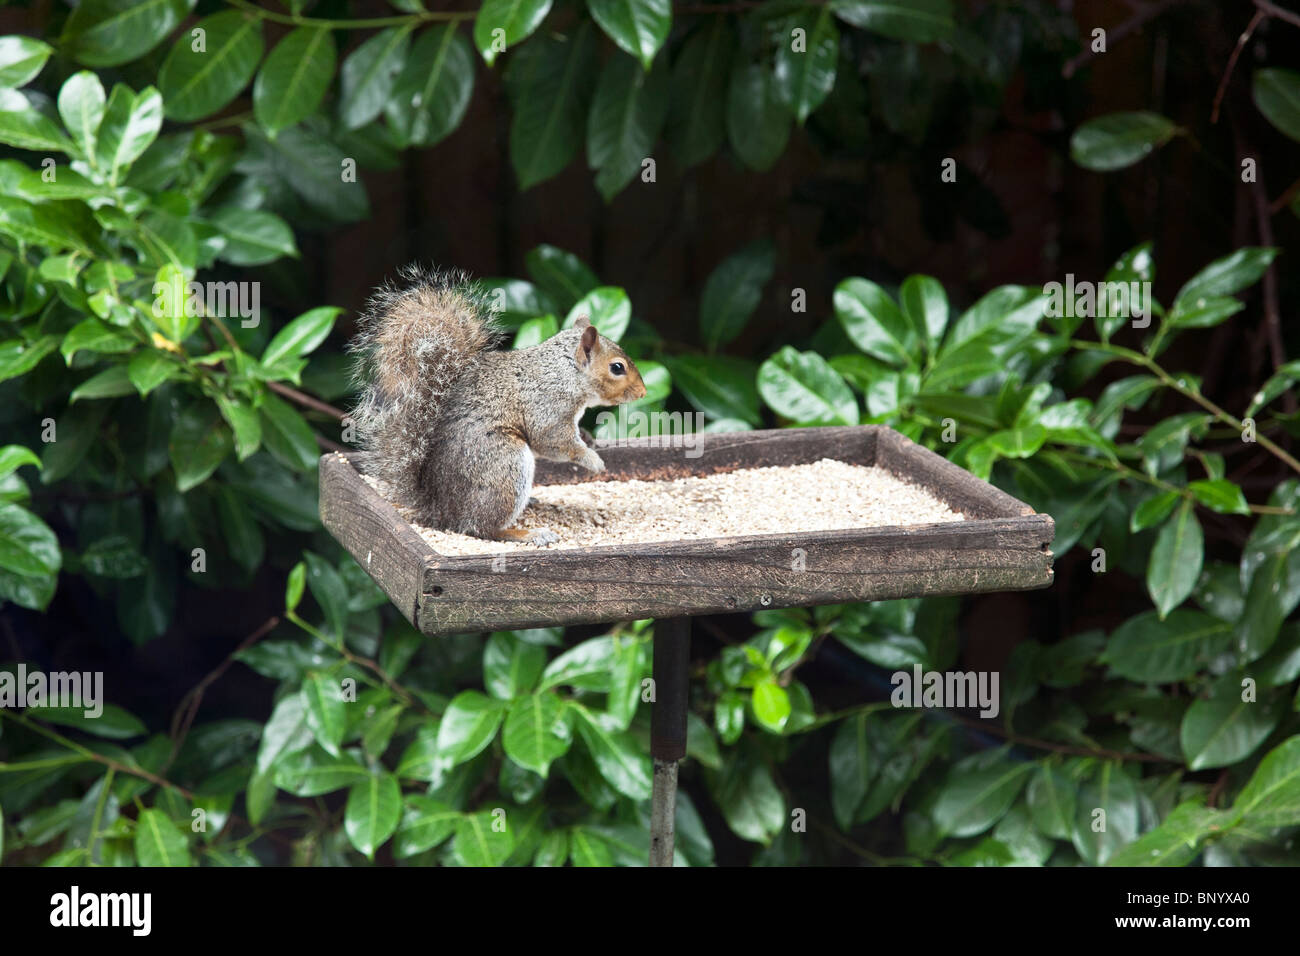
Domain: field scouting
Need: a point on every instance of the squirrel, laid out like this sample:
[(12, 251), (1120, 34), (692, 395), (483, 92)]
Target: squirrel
[(452, 422)]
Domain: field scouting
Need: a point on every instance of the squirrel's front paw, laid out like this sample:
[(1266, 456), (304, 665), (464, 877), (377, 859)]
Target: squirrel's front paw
[(542, 536), (592, 462)]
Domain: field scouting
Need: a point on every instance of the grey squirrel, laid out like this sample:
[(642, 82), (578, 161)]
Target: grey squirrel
[(452, 422)]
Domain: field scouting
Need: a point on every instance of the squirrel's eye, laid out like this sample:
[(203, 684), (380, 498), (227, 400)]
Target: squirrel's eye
[(617, 368)]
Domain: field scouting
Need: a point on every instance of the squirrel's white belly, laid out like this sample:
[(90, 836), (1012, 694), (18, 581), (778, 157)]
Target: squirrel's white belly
[(524, 485)]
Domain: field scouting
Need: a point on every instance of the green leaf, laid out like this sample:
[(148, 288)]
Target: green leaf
[(698, 97), (851, 768), (131, 122), (425, 824), (1150, 650), (327, 587), (733, 291), (294, 586), (620, 761), (287, 435), (608, 309), (1272, 593), (112, 382), (311, 772), (469, 724), (21, 58), (771, 705), (536, 732), (293, 80), (916, 21), (326, 711), (18, 357), (1271, 798), (301, 336), (31, 130), (158, 842), (45, 225), (114, 556), (113, 723), (372, 813), (720, 387), (1097, 837), (802, 387), (199, 443), (1119, 139), (369, 73), (482, 839), (874, 322), (562, 274), (807, 51), (93, 335), (628, 112), (1222, 729), (925, 304), (1277, 95), (113, 32), (501, 24), (749, 799), (639, 27), (81, 105), (310, 165), (243, 537), (510, 666), (253, 237), (586, 666), (198, 83), (1051, 798), (1178, 840), (1226, 276), (13, 457), (432, 93), (147, 370), (1176, 559), (1153, 510), (1204, 313), (586, 848), (758, 123), (1221, 495), (971, 801), (549, 85)]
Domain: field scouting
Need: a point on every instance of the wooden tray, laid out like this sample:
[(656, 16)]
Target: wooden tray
[(1002, 546)]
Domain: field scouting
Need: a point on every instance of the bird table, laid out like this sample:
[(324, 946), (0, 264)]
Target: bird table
[(1001, 545)]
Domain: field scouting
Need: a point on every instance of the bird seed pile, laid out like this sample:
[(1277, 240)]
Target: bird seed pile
[(787, 499)]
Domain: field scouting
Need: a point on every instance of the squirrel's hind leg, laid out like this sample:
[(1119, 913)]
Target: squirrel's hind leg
[(490, 491)]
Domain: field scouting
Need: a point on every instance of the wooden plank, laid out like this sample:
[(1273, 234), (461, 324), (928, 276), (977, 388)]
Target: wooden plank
[(735, 574), (958, 488), (659, 459), (1003, 548), (374, 534)]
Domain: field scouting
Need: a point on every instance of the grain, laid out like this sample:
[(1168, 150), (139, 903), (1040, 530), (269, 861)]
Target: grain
[(788, 499)]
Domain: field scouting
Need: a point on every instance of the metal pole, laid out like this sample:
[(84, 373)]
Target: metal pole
[(672, 654)]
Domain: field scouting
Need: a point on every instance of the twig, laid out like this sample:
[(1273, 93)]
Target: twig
[(305, 400), (1139, 19), (1273, 10), (1242, 40), (191, 701)]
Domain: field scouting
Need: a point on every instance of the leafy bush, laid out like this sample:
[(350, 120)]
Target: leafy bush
[(179, 438)]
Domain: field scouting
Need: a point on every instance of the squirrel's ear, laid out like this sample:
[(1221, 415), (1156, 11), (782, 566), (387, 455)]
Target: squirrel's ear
[(587, 343), (582, 321)]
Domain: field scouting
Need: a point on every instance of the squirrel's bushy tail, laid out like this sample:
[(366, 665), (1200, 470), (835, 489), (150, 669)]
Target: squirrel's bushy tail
[(413, 341)]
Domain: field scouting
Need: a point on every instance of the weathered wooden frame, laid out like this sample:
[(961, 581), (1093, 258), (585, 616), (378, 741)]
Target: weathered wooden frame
[(1002, 546)]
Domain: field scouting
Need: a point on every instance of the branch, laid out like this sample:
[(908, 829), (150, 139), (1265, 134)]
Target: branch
[(1140, 18), (1242, 40), (1273, 10), (305, 400)]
